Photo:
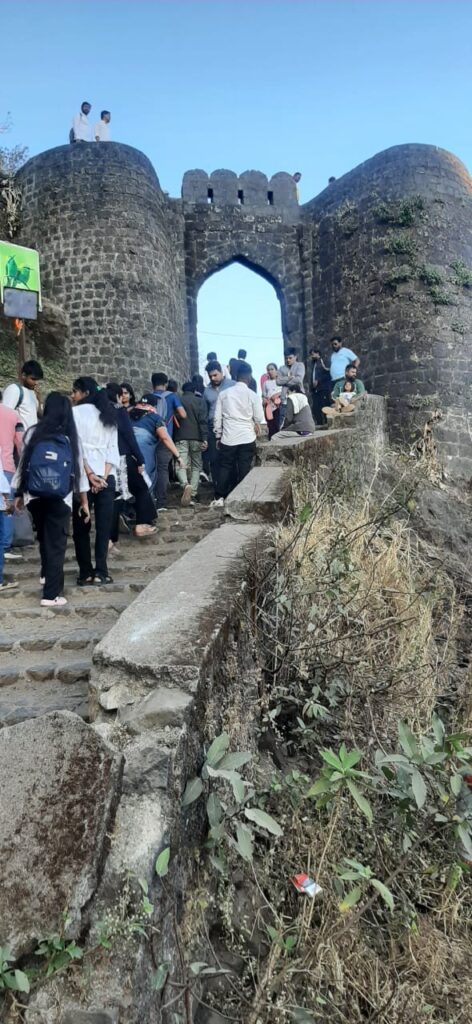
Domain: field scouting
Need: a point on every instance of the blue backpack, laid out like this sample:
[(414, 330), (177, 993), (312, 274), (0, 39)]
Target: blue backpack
[(49, 472)]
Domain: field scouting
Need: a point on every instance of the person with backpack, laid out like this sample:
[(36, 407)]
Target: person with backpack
[(96, 422), (5, 515), (49, 472), (169, 407), (25, 397), (150, 431)]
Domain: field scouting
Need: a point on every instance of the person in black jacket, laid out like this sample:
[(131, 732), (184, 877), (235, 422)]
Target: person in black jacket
[(129, 448), (191, 439)]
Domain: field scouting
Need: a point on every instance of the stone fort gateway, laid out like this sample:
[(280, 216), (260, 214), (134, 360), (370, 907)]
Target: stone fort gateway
[(383, 256)]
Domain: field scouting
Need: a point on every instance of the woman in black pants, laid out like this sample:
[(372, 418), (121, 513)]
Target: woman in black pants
[(95, 419), (129, 448), (51, 514)]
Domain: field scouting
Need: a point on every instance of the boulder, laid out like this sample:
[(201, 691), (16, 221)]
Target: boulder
[(60, 788)]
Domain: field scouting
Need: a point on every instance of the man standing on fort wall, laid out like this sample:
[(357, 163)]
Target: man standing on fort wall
[(81, 130), (101, 131)]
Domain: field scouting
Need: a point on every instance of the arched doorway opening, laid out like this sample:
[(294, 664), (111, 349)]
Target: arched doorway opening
[(239, 308)]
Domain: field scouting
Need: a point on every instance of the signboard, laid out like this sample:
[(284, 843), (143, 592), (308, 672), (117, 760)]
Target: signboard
[(20, 304), (19, 268)]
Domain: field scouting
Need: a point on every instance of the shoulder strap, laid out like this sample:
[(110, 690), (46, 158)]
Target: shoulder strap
[(21, 396)]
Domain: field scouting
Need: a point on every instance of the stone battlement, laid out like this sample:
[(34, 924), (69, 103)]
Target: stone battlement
[(250, 189)]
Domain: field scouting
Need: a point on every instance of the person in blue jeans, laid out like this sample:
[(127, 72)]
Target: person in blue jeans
[(169, 407), (4, 513), (150, 431)]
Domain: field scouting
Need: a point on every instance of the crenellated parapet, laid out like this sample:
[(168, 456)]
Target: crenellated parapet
[(251, 189)]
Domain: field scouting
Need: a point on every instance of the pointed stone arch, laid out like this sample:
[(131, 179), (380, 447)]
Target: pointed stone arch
[(265, 245)]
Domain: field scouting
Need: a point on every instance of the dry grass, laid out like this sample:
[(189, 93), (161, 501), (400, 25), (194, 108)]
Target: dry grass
[(355, 608)]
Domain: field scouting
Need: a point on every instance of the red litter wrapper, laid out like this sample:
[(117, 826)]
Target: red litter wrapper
[(306, 885)]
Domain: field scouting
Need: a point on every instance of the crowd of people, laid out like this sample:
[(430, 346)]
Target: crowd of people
[(103, 449)]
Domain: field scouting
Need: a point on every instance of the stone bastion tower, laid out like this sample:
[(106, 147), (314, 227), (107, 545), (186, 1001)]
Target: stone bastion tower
[(383, 256)]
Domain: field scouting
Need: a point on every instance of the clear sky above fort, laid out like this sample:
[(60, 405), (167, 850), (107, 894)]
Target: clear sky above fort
[(306, 85)]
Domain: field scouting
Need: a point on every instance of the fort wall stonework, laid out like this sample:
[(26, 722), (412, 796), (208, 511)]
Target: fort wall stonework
[(383, 257)]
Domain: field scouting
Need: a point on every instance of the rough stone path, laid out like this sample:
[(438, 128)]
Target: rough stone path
[(46, 654)]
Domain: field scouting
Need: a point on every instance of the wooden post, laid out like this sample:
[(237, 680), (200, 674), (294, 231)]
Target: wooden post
[(22, 347)]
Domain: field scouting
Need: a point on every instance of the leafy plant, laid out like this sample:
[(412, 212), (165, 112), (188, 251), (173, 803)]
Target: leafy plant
[(430, 275), (363, 876), (233, 818), (428, 777), (10, 977), (338, 774), (441, 297), (58, 953), (462, 274), (402, 245), (400, 212)]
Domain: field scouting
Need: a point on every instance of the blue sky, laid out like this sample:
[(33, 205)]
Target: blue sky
[(309, 85)]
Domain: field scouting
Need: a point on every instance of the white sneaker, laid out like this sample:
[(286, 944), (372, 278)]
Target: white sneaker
[(8, 586), (162, 510), (11, 556), (55, 602), (217, 503)]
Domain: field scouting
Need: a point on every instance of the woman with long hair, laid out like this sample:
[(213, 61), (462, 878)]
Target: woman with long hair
[(44, 468), (130, 453), (128, 397), (96, 421)]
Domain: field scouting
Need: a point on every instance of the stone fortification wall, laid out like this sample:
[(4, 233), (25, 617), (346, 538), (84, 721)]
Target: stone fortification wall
[(383, 256), (390, 253), (111, 250)]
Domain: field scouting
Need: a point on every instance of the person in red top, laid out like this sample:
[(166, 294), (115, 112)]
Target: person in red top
[(11, 438)]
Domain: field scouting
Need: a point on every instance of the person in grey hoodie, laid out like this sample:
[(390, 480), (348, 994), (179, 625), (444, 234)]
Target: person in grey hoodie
[(292, 370)]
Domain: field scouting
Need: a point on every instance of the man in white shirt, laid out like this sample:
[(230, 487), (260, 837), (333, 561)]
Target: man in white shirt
[(237, 424), (102, 128), (81, 130), (25, 396)]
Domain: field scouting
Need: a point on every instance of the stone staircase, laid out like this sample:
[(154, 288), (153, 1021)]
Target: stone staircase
[(46, 654)]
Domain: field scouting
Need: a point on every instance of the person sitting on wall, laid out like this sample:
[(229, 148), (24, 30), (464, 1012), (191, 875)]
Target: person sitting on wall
[(298, 419), (350, 374), (81, 130), (320, 386), (297, 177), (102, 128), (341, 356), (346, 393)]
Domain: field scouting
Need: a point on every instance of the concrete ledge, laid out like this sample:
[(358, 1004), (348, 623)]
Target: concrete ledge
[(264, 494), (164, 634)]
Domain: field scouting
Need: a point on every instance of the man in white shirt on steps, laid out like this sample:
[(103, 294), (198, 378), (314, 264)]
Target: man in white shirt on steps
[(237, 424), (81, 130)]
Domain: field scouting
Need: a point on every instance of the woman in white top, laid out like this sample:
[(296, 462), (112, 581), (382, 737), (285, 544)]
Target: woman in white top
[(95, 419)]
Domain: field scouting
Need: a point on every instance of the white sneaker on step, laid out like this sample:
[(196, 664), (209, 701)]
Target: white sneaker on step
[(217, 503), (55, 602)]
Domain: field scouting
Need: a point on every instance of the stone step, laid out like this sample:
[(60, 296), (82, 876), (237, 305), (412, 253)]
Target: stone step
[(29, 699), (65, 639), (40, 666)]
